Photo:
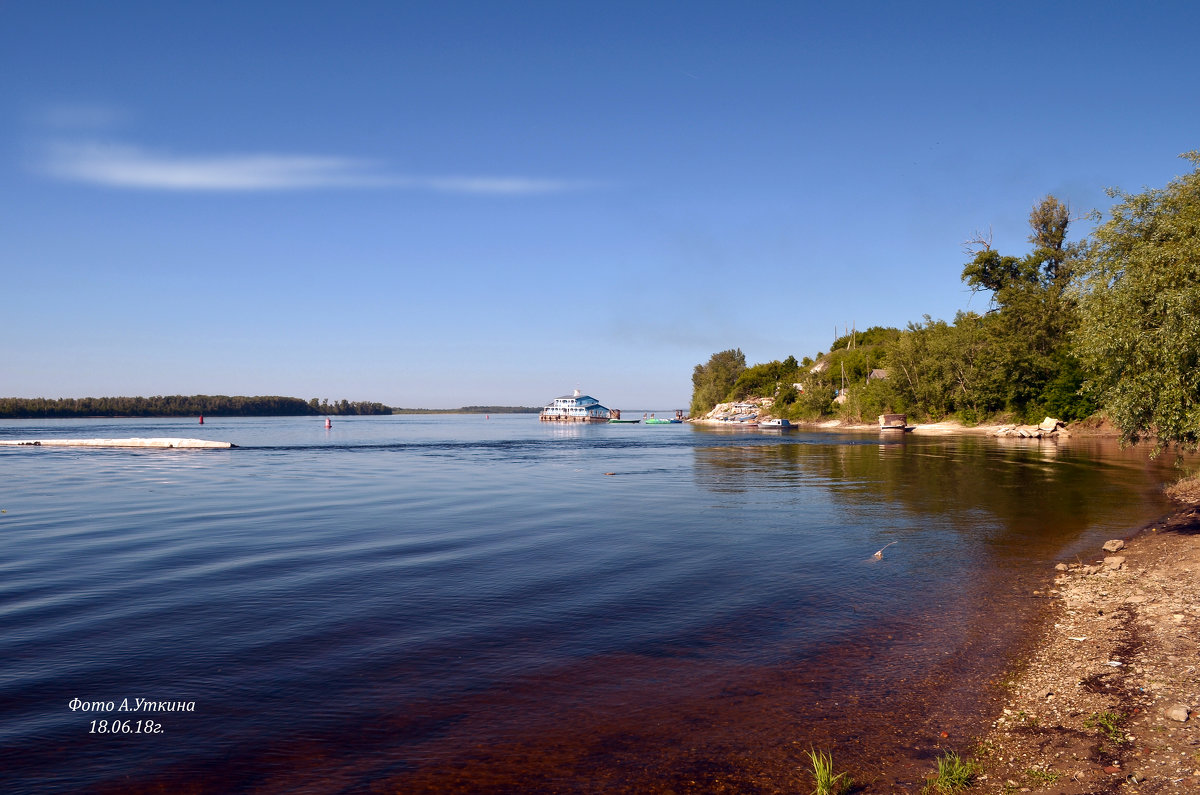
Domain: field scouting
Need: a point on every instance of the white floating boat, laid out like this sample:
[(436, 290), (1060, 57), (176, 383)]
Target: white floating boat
[(577, 408)]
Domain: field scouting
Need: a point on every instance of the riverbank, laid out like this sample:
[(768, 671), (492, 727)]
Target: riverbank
[(945, 427), (843, 425), (1108, 701), (942, 428)]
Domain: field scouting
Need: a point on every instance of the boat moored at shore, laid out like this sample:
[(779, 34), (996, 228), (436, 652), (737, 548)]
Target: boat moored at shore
[(652, 420)]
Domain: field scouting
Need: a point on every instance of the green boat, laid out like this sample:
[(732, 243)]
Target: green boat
[(660, 421)]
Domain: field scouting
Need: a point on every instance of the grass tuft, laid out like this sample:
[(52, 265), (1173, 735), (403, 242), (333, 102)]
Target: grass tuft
[(826, 782), (1043, 778), (1109, 723), (1185, 490), (953, 774)]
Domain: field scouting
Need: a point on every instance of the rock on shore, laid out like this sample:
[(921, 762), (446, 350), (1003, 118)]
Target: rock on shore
[(1109, 701), (1049, 428), (751, 409)]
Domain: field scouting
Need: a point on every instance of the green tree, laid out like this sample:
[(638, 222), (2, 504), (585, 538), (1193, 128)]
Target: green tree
[(1029, 328), (1048, 264), (1140, 305), (936, 369), (761, 380), (920, 364), (1051, 254), (712, 382)]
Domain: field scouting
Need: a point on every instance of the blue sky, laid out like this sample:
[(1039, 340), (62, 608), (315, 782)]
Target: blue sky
[(439, 204)]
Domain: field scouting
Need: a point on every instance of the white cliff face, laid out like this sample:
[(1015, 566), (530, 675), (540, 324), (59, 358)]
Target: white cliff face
[(751, 407)]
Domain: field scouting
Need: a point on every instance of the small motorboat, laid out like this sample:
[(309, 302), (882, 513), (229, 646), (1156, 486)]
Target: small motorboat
[(778, 424), (894, 422)]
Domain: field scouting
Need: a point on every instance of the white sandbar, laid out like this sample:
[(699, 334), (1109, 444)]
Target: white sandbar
[(136, 442)]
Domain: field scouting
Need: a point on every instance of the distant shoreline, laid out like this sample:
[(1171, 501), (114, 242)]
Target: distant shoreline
[(164, 406), (181, 406)]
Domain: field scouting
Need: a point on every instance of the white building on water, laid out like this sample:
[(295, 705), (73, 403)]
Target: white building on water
[(575, 408)]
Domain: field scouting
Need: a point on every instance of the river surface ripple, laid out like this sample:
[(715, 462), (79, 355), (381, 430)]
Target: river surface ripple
[(470, 603)]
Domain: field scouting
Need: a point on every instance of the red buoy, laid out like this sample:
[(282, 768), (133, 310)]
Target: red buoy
[(328, 423), (201, 419)]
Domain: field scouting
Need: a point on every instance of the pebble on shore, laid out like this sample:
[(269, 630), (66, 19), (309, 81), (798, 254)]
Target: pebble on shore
[(1109, 698)]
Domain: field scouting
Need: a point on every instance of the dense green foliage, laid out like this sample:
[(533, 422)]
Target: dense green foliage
[(712, 382), (180, 406), (347, 407), (1140, 307), (1110, 323), (763, 380)]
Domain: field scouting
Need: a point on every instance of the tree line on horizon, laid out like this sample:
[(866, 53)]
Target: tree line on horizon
[(182, 406), (474, 410), (1108, 324)]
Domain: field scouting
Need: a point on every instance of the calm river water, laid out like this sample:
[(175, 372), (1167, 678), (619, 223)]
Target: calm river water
[(461, 603)]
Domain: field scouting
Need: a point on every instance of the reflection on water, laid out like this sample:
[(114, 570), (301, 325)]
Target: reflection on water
[(1042, 496)]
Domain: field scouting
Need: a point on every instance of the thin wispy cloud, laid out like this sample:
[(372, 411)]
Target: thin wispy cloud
[(121, 166), (125, 166)]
